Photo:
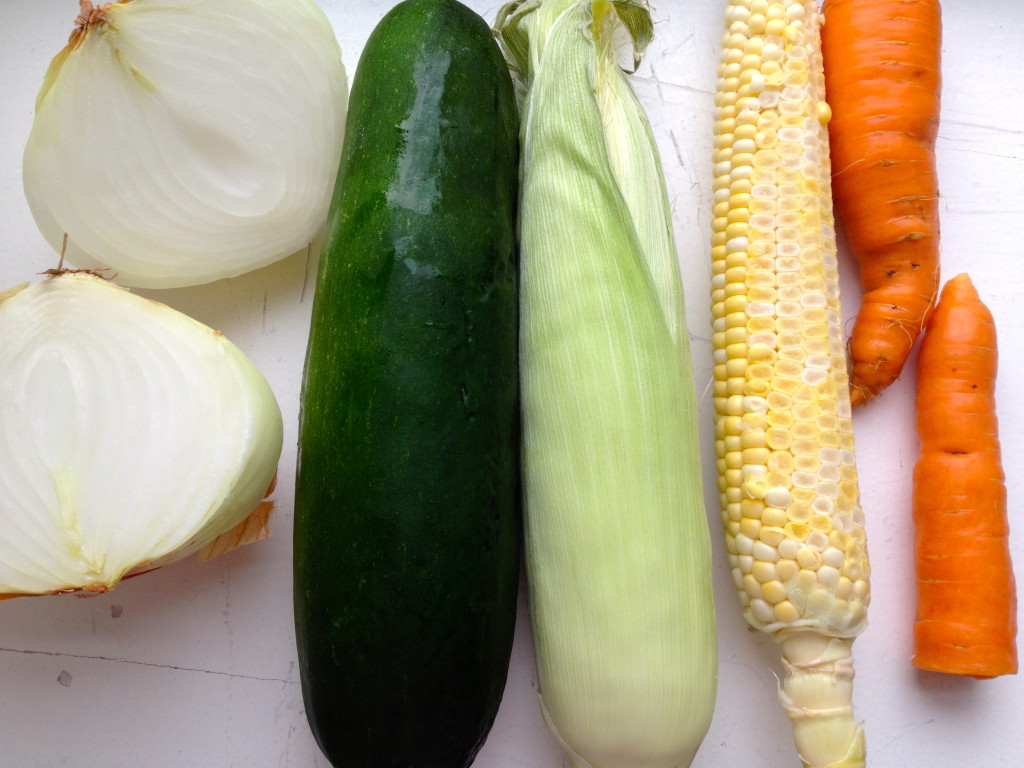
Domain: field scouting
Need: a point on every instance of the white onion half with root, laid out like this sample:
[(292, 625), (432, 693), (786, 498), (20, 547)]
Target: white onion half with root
[(131, 435), (182, 141)]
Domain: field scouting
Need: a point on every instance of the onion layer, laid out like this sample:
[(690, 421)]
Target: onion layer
[(182, 141), (131, 435)]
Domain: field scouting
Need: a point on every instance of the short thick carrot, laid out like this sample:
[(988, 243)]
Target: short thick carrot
[(966, 597), (882, 82)]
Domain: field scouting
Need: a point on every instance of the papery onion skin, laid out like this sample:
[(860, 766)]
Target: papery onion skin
[(130, 435), (178, 142)]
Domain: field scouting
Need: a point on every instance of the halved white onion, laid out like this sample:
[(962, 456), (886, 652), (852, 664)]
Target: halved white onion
[(131, 435), (181, 141)]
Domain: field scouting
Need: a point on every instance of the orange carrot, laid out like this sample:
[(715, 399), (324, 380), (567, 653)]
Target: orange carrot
[(882, 82), (966, 597)]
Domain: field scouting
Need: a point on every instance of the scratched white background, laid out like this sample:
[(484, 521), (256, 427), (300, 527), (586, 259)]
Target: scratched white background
[(195, 665)]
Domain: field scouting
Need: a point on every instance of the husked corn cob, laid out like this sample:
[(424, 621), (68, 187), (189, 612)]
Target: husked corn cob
[(784, 441)]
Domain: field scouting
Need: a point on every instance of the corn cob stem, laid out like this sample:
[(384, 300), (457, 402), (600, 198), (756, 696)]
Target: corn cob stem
[(817, 694), (784, 438)]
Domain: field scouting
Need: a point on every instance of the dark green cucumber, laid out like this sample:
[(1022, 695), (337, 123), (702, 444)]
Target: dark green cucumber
[(406, 509)]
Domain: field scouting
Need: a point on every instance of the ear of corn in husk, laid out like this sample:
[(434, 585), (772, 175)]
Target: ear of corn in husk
[(617, 545)]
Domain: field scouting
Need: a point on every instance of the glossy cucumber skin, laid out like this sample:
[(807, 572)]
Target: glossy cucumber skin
[(407, 531)]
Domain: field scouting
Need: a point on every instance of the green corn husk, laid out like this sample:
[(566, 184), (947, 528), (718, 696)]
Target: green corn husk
[(617, 541)]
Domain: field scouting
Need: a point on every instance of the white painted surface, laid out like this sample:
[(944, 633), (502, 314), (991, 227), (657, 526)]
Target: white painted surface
[(195, 665)]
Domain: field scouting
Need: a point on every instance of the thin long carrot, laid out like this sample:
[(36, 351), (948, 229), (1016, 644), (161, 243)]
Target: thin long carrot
[(966, 597), (882, 82)]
